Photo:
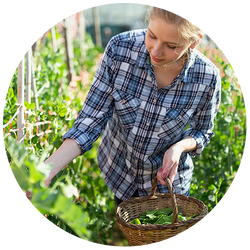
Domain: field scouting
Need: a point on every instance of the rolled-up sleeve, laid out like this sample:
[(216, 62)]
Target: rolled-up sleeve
[(202, 122), (98, 106)]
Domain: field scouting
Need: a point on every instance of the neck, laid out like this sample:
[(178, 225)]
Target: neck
[(172, 65)]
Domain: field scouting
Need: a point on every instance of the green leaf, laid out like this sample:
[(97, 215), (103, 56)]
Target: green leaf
[(164, 219), (34, 174), (21, 177), (70, 190), (44, 168), (29, 105), (63, 112)]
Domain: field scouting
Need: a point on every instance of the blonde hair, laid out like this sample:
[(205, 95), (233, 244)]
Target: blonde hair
[(186, 29)]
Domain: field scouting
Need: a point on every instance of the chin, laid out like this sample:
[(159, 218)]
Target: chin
[(157, 64)]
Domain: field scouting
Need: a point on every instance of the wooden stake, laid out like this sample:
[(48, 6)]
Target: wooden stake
[(20, 99), (69, 47), (98, 37), (54, 42), (28, 76), (33, 85), (82, 33), (35, 94)]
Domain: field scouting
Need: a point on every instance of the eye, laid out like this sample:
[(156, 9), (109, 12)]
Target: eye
[(151, 35), (171, 47)]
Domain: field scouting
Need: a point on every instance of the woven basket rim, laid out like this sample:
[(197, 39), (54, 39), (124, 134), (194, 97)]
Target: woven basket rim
[(179, 197)]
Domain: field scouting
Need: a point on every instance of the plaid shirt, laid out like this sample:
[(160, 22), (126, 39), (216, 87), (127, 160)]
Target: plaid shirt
[(139, 121)]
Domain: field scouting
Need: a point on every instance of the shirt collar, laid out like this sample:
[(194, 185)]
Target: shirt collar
[(142, 59), (185, 70)]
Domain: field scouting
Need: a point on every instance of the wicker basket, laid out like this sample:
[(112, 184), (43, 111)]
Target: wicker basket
[(146, 234)]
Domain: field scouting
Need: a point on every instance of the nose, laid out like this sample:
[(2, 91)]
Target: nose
[(157, 50)]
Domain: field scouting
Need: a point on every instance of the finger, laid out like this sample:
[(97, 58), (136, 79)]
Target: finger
[(167, 163), (162, 182), (159, 174), (172, 173), (27, 198), (166, 170), (159, 177), (47, 182)]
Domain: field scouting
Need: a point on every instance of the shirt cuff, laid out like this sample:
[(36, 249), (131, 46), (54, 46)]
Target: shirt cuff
[(201, 141), (81, 139)]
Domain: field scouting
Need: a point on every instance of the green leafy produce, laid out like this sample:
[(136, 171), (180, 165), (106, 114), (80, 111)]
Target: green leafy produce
[(136, 221), (159, 217)]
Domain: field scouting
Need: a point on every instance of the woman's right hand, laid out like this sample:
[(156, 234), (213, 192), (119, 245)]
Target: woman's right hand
[(47, 182), (67, 152), (29, 193)]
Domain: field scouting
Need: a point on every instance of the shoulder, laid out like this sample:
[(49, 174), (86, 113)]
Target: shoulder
[(203, 60), (128, 40), (203, 69), (125, 46), (129, 36)]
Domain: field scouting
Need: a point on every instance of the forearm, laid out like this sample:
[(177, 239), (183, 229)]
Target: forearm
[(172, 157), (67, 152), (187, 144)]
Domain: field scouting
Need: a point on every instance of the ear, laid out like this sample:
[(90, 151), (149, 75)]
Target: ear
[(196, 42)]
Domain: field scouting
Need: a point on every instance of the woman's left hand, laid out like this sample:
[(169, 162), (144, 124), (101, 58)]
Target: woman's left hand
[(170, 164)]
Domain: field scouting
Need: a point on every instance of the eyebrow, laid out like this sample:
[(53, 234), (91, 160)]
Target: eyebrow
[(166, 41)]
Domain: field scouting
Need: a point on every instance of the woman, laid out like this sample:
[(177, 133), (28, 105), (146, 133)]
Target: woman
[(149, 86)]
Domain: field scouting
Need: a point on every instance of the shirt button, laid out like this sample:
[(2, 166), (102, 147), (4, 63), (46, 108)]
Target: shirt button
[(154, 100), (123, 101), (134, 175), (180, 117), (136, 161), (140, 144), (148, 124)]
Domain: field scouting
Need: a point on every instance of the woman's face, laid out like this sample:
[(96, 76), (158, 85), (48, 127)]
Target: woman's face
[(163, 43)]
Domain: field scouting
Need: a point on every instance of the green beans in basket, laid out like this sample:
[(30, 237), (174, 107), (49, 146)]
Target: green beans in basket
[(182, 212)]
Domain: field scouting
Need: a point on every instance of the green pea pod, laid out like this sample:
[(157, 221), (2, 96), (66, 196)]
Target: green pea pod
[(136, 221)]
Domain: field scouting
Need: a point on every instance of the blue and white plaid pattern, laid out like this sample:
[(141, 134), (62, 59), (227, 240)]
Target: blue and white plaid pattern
[(139, 121)]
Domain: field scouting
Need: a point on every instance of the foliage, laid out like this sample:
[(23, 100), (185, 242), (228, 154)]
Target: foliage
[(88, 214), (31, 173), (78, 200), (215, 169)]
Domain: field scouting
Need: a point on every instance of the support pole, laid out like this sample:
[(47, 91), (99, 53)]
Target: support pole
[(20, 99), (28, 76), (82, 33), (28, 80), (69, 47), (33, 86), (96, 18), (54, 42)]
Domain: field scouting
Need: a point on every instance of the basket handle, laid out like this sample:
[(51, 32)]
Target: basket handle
[(172, 194)]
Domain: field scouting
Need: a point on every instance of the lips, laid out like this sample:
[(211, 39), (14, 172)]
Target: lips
[(156, 59)]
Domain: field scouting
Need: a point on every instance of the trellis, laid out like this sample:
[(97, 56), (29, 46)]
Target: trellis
[(26, 85), (22, 112)]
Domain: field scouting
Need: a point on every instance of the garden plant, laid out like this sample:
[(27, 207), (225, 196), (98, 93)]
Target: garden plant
[(78, 200)]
